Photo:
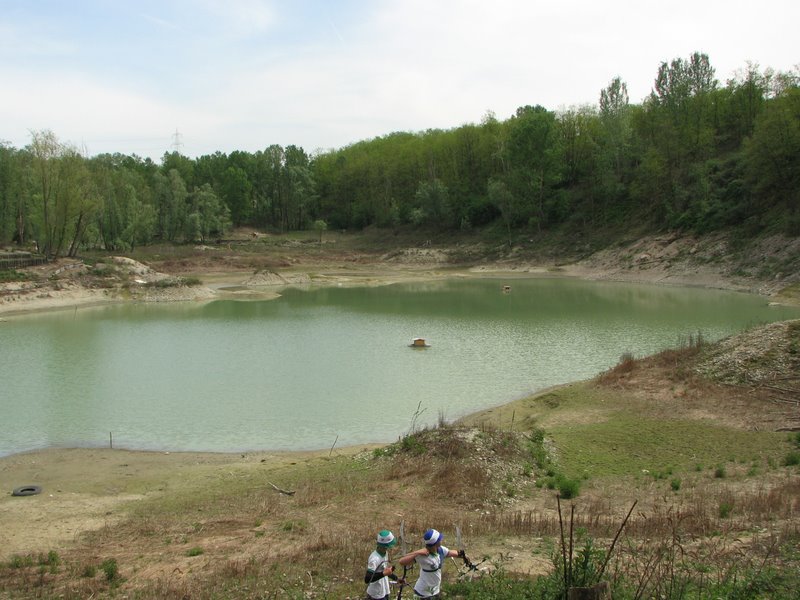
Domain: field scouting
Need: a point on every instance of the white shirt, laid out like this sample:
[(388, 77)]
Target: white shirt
[(377, 562), (430, 576)]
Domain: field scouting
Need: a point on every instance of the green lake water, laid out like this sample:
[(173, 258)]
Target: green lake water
[(332, 364)]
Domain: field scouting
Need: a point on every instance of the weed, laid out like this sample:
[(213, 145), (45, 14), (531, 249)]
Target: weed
[(412, 444), (89, 572), (294, 526), (20, 562), (110, 568), (11, 275), (725, 509), (792, 459), (675, 484), (51, 560), (720, 472), (568, 488), (196, 551)]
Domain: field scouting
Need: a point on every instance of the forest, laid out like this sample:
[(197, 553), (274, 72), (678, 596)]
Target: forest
[(695, 155)]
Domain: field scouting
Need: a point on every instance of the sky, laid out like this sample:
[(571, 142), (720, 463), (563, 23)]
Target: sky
[(147, 77)]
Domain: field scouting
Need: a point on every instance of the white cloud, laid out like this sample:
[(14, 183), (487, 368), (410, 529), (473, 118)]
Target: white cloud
[(246, 73), (244, 17)]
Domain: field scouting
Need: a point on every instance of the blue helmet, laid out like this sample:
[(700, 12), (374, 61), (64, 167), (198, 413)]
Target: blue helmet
[(432, 537)]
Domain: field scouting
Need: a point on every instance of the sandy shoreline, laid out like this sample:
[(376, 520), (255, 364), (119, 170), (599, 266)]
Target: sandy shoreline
[(235, 286)]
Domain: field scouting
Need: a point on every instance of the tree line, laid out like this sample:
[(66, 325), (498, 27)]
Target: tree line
[(694, 155)]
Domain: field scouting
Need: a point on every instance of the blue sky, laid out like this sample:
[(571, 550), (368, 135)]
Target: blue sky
[(125, 75)]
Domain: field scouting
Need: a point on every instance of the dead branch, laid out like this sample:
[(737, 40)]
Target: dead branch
[(277, 489)]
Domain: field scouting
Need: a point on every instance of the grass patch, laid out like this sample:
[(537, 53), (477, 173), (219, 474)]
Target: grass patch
[(10, 275), (110, 569), (603, 432), (792, 459), (626, 444)]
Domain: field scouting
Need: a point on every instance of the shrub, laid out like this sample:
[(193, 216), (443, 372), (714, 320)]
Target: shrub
[(792, 459), (675, 484), (110, 568), (725, 509), (568, 488), (89, 571), (412, 444), (11, 275), (51, 559), (293, 526), (19, 562), (720, 473)]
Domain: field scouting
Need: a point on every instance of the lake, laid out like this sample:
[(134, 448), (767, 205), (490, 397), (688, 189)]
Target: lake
[(325, 365)]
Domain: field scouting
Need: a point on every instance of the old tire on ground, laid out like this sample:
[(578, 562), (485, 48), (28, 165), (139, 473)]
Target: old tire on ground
[(27, 490)]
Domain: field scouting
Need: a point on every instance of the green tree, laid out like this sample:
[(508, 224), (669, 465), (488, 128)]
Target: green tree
[(127, 215), (615, 119), (169, 192), (64, 193), (182, 164), (14, 205), (433, 200), (499, 195), (207, 215), (46, 150), (772, 157), (81, 203), (235, 190), (534, 170), (320, 226)]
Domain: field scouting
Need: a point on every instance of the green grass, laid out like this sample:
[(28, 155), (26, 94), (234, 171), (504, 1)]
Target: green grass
[(620, 438), (628, 444), (11, 275)]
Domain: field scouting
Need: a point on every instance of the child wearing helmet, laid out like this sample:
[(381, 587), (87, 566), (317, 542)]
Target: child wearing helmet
[(379, 571), (430, 560)]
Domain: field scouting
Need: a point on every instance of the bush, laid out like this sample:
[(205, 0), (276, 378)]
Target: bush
[(8, 276), (568, 488), (19, 562), (412, 444), (89, 572), (110, 568), (792, 459)]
